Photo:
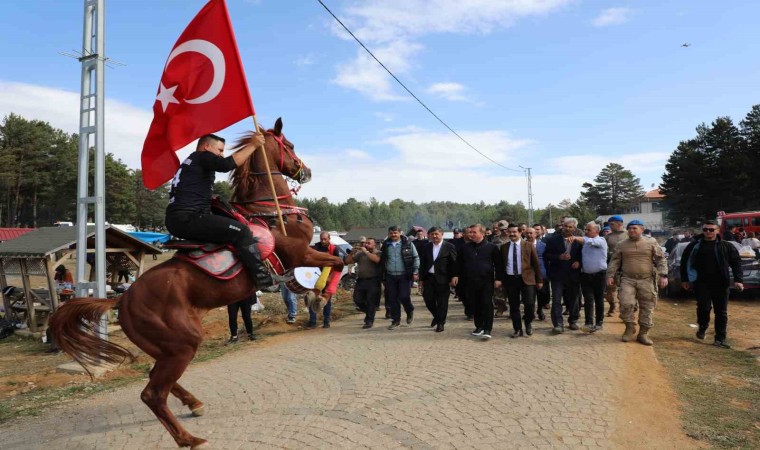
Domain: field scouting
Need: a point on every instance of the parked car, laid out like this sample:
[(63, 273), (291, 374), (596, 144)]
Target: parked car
[(750, 268)]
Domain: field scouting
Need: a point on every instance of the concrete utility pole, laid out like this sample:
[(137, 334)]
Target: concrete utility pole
[(530, 196), (91, 130)]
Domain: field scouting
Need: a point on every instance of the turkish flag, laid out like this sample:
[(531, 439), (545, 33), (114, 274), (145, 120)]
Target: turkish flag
[(203, 89)]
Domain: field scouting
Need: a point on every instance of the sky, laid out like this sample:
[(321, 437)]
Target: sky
[(561, 86)]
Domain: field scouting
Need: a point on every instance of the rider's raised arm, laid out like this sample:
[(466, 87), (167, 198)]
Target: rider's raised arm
[(242, 155)]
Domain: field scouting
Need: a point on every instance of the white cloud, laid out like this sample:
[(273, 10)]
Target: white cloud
[(422, 166), (425, 166), (589, 166), (382, 25), (416, 164), (365, 75), (386, 20), (385, 117), (442, 150), (125, 125), (449, 91), (305, 60), (357, 154), (613, 16)]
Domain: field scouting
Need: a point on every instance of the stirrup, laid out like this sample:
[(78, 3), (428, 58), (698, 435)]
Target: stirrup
[(276, 279)]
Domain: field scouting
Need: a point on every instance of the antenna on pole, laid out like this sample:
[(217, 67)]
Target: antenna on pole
[(530, 195), (81, 56)]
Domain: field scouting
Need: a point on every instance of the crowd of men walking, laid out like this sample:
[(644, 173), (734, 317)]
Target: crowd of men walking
[(538, 271)]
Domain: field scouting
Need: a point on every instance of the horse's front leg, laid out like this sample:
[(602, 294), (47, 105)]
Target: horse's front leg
[(313, 258)]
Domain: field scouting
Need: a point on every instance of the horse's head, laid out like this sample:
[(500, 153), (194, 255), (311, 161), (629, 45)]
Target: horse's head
[(281, 157), (280, 151)]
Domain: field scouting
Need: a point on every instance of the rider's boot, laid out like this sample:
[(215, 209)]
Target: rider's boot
[(251, 258)]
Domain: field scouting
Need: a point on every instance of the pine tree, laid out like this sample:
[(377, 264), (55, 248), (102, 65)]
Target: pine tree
[(614, 190)]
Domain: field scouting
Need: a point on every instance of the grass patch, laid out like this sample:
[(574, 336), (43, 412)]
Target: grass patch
[(719, 389), (34, 402)]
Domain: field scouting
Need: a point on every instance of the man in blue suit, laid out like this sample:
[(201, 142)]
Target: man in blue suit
[(562, 258)]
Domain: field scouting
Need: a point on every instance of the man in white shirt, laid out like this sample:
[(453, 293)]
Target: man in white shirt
[(593, 276), (438, 271)]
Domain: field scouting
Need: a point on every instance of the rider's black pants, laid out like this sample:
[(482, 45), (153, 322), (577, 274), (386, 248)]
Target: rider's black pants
[(219, 229)]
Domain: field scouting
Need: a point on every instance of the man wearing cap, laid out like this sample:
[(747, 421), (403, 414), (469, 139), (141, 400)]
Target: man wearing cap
[(615, 235), (643, 268), (502, 237)]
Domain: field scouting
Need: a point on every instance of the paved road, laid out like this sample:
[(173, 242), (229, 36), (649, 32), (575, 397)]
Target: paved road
[(353, 388)]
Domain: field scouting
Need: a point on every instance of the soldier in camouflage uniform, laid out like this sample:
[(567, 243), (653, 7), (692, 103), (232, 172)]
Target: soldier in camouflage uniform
[(616, 235), (643, 267)]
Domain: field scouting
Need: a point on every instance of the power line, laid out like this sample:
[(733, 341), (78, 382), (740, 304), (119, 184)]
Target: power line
[(412, 93)]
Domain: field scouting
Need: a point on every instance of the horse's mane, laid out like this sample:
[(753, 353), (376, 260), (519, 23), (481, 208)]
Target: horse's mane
[(240, 179)]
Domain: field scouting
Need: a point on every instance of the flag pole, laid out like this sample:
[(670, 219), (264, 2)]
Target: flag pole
[(271, 181)]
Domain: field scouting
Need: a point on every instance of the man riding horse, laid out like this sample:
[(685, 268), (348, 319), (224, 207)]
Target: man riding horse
[(189, 212)]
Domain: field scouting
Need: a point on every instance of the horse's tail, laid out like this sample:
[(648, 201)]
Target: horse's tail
[(74, 330)]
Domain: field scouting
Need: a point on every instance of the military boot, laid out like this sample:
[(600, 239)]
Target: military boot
[(643, 338), (630, 332)]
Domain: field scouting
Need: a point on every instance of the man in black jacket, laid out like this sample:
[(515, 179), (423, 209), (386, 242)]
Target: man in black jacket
[(479, 262), (704, 267), (438, 270), (562, 259)]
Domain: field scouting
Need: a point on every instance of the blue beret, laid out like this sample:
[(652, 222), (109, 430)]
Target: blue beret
[(615, 219), (606, 229), (635, 222)]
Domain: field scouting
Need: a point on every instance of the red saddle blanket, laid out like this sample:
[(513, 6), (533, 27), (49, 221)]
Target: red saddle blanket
[(220, 260)]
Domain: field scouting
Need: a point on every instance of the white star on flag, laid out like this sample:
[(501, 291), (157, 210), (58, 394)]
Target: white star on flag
[(166, 96)]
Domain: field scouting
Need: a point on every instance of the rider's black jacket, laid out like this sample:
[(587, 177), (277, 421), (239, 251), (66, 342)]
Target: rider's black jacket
[(193, 183)]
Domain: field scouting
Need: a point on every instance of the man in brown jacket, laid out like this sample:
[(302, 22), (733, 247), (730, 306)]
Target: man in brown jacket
[(520, 279)]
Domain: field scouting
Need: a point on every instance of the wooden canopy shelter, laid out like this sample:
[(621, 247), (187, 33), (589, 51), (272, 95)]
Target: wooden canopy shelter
[(39, 252)]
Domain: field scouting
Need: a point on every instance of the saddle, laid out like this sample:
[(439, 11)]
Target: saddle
[(220, 261)]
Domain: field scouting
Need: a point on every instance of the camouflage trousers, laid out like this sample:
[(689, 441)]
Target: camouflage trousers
[(611, 295), (637, 292)]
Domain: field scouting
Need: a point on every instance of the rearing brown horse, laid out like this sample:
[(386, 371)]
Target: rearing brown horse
[(161, 312)]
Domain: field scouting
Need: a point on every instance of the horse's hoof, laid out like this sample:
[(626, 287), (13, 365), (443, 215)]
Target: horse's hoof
[(197, 412), (202, 444)]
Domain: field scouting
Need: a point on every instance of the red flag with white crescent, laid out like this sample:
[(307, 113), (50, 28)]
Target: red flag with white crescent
[(203, 89)]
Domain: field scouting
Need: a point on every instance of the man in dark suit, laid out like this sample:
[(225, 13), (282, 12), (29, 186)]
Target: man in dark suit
[(562, 258), (438, 270), (521, 278), (479, 262)]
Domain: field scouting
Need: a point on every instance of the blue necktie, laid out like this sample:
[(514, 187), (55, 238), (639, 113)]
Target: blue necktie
[(514, 259)]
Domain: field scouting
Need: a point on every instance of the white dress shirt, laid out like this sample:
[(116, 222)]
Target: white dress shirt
[(436, 251)]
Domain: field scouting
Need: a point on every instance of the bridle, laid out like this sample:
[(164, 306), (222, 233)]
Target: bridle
[(287, 148), (296, 179)]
